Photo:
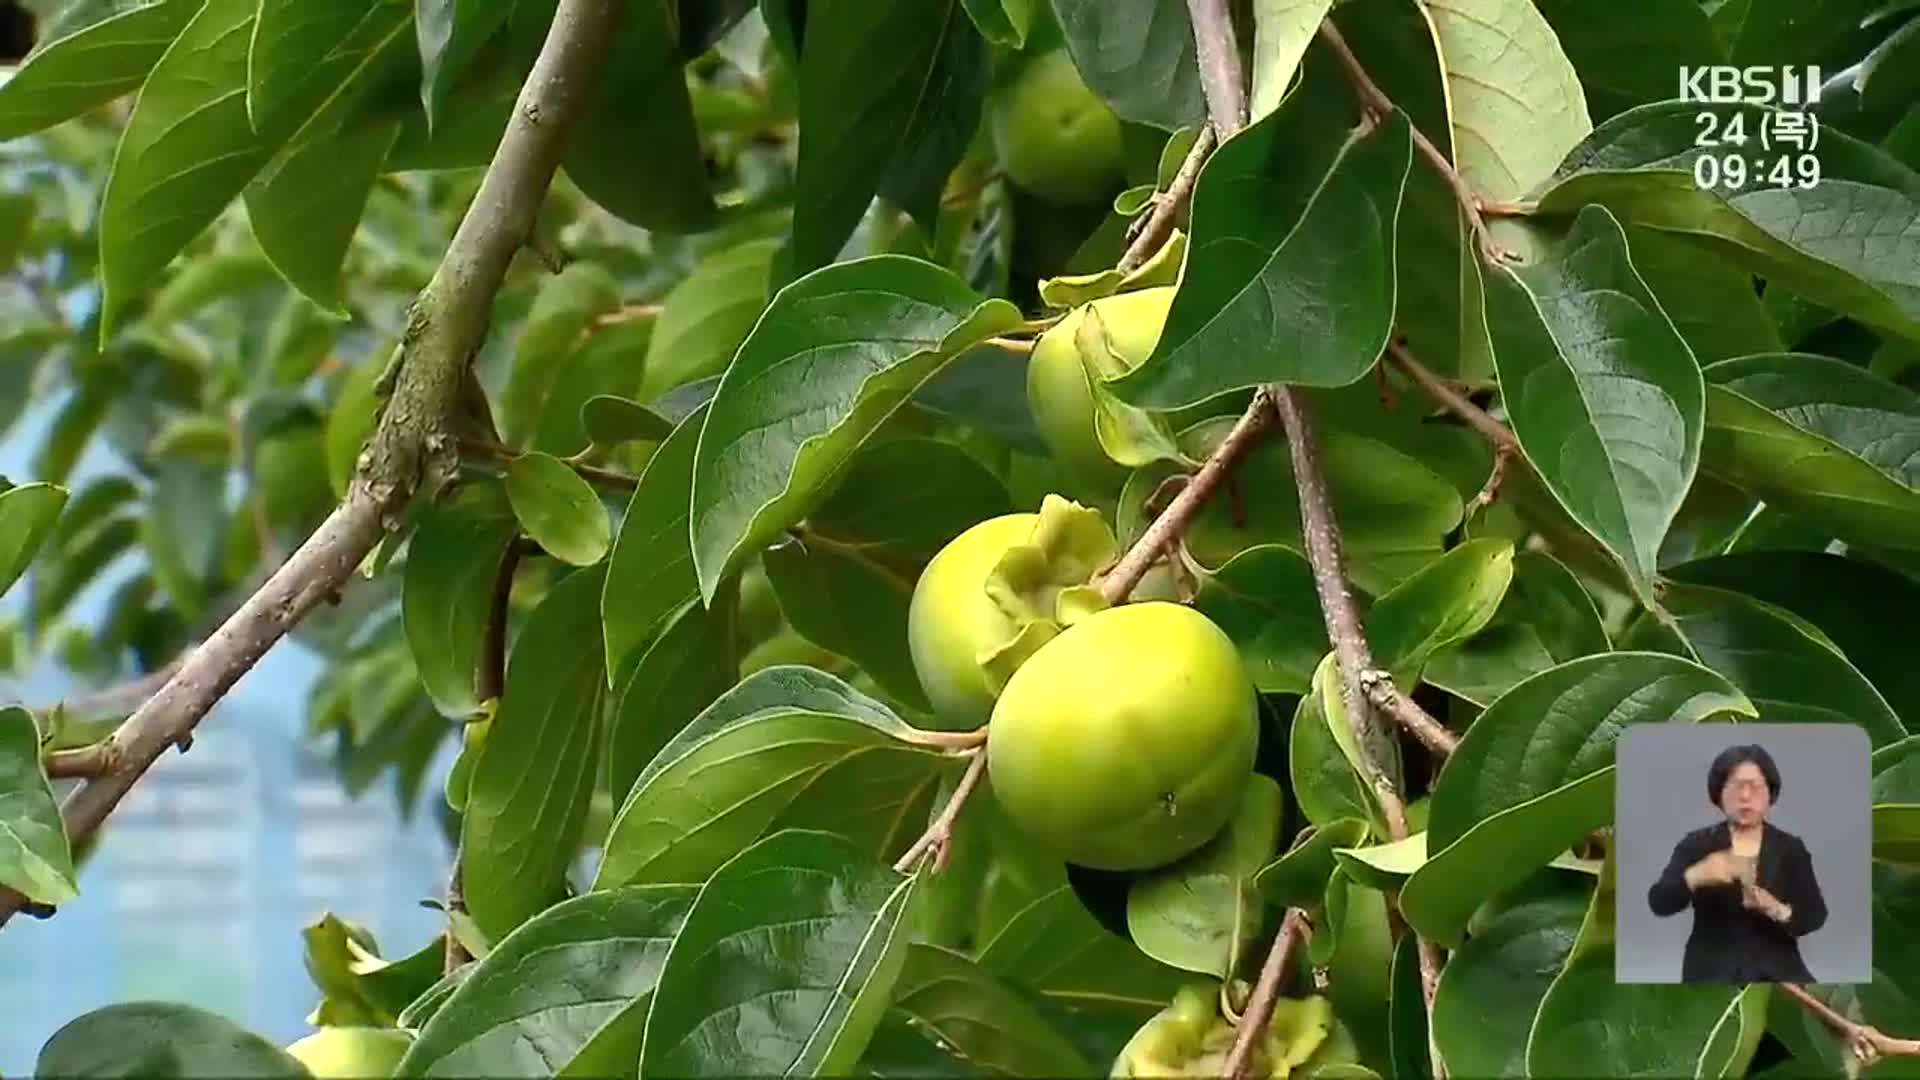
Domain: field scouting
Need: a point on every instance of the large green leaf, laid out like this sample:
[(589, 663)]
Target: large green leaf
[(1358, 943), (682, 670), (1711, 302), (1859, 606), (799, 940), (1630, 52), (306, 206), (577, 972), (1299, 877), (446, 594), (1590, 1024), (1290, 273), (1846, 243), (1491, 987), (1824, 440), (34, 857), (1198, 913), (27, 515), (849, 604), (1604, 396), (1450, 599), (297, 45), (531, 786), (1324, 781), (651, 570), (93, 54), (987, 1024), (719, 783), (1513, 97), (1264, 599), (944, 124), (1781, 31), (905, 498), (561, 316), (706, 317), (160, 1040), (1055, 946), (559, 509), (835, 354), (1792, 675), (1138, 55), (875, 85), (1896, 802), (1546, 618), (450, 34), (1535, 773), (1282, 30)]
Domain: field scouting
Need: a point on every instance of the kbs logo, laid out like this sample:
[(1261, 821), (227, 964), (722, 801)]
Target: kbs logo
[(1785, 85)]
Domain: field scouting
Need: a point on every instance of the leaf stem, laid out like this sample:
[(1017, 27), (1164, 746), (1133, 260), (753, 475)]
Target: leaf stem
[(1147, 234), (626, 313), (87, 761), (493, 451), (940, 834), (1378, 105), (1295, 927), (1866, 1042), (1506, 447), (445, 328)]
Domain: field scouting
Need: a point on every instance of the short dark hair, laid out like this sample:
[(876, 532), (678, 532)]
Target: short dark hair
[(1730, 759)]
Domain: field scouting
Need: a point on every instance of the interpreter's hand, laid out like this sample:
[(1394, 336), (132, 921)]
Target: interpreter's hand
[(1759, 899), (1717, 868)]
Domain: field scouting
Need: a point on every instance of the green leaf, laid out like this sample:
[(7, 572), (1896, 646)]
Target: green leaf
[(1054, 946), (561, 316), (1282, 30), (651, 571), (682, 671), (1791, 674), (1513, 98), (1490, 989), (604, 364), (1589, 1022), (1200, 912), (1002, 22), (754, 752), (345, 964), (1360, 967), (1896, 802), (1535, 773), (296, 44), (561, 980), (642, 165), (529, 793), (1449, 600), (798, 939), (450, 34), (201, 283), (1711, 302), (189, 147), (610, 420), (1299, 877), (306, 206), (1630, 53), (1546, 618), (1411, 1055), (351, 422), (93, 54), (1887, 74), (1857, 605), (155, 1039), (835, 354), (559, 509), (27, 514), (1394, 512), (1138, 55), (848, 604), (1821, 439), (446, 594), (1845, 243), (984, 1022), (34, 858), (906, 498), (706, 316), (943, 126), (1780, 31), (1264, 599), (1290, 277), (1604, 396), (1324, 782), (873, 90), (1383, 866)]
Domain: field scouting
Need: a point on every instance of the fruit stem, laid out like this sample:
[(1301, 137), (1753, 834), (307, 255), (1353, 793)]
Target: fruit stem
[(940, 833), (1294, 927)]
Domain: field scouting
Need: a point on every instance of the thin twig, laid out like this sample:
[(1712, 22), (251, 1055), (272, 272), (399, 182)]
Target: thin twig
[(940, 834), (81, 761), (1867, 1043), (493, 451), (1504, 208), (1506, 447), (1406, 712), (1379, 105), (117, 700), (1147, 234), (626, 313), (1119, 582), (446, 326), (1294, 927), (490, 682)]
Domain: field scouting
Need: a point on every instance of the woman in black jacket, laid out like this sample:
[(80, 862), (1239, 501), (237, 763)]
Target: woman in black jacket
[(1750, 883)]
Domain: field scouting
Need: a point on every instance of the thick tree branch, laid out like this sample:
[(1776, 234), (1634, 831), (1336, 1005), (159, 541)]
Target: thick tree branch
[(445, 329), (1221, 79), (1866, 1042), (1378, 104), (493, 451), (1151, 231), (1294, 928)]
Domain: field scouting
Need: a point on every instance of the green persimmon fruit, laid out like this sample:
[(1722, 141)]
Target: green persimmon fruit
[(1056, 138), (951, 619), (1190, 1038), (1057, 389), (1124, 742), (338, 1053)]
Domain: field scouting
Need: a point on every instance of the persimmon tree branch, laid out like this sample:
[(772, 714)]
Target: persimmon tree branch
[(1867, 1043), (938, 835), (1151, 231), (1505, 446), (413, 442), (1295, 928)]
